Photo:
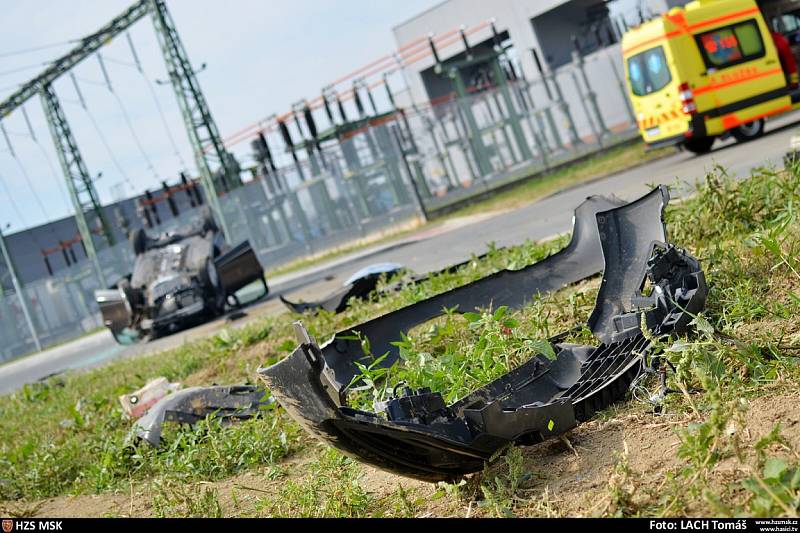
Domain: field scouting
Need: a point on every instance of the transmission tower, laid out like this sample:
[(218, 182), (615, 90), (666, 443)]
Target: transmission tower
[(209, 152), (200, 124), (79, 182)]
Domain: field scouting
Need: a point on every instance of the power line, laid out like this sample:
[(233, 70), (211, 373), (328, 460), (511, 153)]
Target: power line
[(135, 137), (35, 49), (24, 171), (35, 194), (120, 62), (126, 118), (151, 89), (20, 215), (13, 203), (137, 64), (62, 189), (103, 139), (21, 69), (91, 82), (110, 152), (164, 121), (32, 134)]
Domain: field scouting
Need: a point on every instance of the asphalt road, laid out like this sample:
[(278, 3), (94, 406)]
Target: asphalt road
[(432, 249)]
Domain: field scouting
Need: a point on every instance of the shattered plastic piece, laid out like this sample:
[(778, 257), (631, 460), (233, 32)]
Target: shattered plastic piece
[(136, 403), (415, 434), (188, 406), (581, 258), (359, 285)]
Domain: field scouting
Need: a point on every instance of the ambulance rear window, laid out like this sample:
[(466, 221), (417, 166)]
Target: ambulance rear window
[(648, 71), (731, 45)]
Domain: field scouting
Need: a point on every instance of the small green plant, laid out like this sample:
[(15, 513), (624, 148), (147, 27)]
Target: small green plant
[(622, 487), (330, 489), (175, 500), (454, 491), (406, 503), (776, 491), (500, 495)]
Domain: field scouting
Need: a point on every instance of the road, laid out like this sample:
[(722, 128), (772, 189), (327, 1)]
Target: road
[(431, 249)]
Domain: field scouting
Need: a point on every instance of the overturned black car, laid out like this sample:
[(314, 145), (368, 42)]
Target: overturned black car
[(179, 278)]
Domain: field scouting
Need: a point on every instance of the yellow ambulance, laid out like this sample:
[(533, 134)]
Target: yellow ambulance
[(705, 70)]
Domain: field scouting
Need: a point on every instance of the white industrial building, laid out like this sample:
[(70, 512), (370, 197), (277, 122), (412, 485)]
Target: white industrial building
[(551, 28)]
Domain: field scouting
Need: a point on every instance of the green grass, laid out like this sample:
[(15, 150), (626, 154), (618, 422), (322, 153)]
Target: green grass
[(69, 436), (329, 488)]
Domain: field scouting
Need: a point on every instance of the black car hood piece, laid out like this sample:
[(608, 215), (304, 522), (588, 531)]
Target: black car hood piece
[(417, 435), (188, 406)]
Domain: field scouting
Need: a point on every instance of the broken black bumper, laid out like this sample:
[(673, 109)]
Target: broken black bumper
[(417, 435)]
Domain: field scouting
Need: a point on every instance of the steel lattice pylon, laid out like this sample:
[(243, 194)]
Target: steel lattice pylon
[(206, 142), (200, 125), (84, 198)]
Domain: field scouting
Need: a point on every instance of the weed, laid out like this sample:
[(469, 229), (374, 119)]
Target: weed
[(500, 495), (330, 489), (776, 491), (178, 500), (622, 485)]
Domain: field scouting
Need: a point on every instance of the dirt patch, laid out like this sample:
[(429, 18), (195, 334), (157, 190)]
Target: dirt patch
[(765, 412), (568, 477), (237, 495)]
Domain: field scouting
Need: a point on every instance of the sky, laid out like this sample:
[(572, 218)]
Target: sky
[(260, 56)]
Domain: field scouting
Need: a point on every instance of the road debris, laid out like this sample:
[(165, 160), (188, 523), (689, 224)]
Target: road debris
[(417, 435), (359, 285), (136, 403), (188, 406)]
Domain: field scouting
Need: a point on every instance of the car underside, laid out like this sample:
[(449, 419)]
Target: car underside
[(178, 279)]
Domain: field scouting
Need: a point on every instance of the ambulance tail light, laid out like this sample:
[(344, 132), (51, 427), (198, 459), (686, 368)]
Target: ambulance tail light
[(687, 99)]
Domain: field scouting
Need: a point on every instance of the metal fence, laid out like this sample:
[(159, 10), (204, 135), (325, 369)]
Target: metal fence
[(341, 195), (427, 158), (465, 147)]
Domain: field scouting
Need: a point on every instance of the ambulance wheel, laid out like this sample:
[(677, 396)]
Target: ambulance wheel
[(699, 145), (749, 131)]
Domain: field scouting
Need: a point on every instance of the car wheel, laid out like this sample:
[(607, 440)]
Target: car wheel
[(749, 131), (699, 145), (139, 241)]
